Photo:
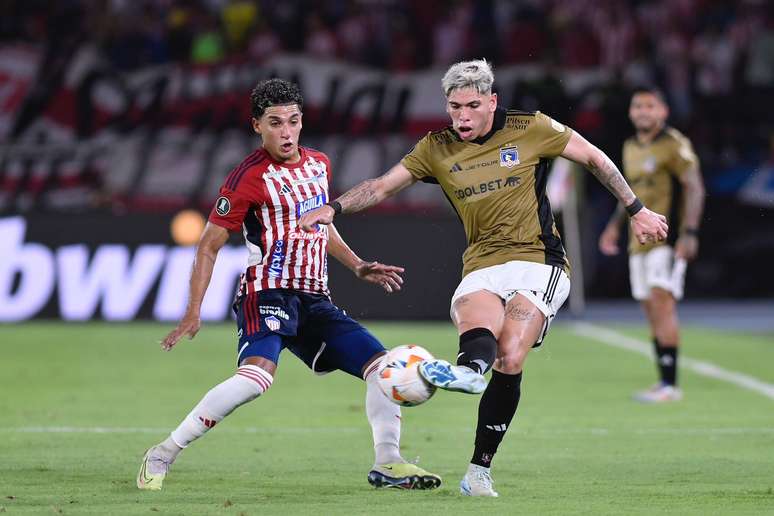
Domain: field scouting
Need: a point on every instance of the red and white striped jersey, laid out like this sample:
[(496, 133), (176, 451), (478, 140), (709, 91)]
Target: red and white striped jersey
[(265, 198)]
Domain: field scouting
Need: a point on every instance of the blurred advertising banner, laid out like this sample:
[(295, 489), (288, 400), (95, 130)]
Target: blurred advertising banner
[(110, 280), (80, 268)]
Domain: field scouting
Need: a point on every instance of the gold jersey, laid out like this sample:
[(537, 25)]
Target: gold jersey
[(497, 186), (650, 167)]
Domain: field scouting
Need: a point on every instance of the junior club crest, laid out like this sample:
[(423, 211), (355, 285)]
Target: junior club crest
[(222, 206), (272, 323), (509, 156)]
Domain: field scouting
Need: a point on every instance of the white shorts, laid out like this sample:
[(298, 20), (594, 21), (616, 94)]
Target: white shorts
[(656, 268), (546, 286)]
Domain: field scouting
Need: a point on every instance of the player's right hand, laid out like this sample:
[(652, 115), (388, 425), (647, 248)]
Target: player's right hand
[(649, 226), (189, 326), (322, 215), (608, 240)]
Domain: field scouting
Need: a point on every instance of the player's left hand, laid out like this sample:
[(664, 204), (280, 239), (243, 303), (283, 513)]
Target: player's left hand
[(322, 215), (386, 276), (649, 226), (687, 247), (188, 326)]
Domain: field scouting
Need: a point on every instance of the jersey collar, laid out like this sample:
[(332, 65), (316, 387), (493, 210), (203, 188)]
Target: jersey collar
[(658, 136), (497, 124)]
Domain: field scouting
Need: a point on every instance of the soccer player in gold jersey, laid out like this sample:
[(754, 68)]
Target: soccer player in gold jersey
[(654, 156), (492, 165)]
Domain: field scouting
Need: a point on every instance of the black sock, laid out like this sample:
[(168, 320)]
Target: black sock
[(495, 413), (478, 350), (666, 360)]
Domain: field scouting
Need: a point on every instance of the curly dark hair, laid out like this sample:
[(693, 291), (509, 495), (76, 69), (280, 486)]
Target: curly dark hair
[(274, 92)]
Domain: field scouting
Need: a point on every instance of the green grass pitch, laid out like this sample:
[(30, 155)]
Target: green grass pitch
[(80, 404)]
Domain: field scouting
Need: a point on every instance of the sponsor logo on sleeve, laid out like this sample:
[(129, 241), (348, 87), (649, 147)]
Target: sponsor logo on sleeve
[(509, 156), (222, 206)]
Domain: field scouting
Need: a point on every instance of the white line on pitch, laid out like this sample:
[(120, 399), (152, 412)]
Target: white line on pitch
[(149, 430), (619, 340), (338, 430)]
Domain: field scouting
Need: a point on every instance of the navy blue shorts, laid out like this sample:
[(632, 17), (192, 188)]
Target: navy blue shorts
[(309, 325)]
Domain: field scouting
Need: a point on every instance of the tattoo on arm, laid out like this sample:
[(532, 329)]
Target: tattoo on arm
[(608, 174), (360, 197)]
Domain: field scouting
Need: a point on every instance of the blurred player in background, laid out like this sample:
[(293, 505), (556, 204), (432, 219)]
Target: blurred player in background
[(283, 301), (654, 156), (492, 165)]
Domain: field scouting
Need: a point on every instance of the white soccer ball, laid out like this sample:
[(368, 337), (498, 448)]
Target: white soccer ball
[(399, 379)]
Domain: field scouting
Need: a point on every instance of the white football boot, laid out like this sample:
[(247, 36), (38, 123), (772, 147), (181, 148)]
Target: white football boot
[(659, 393), (450, 377), (153, 470), (478, 482)]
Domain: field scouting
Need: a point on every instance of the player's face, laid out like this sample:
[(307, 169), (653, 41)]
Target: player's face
[(280, 127), (647, 111), (471, 112)]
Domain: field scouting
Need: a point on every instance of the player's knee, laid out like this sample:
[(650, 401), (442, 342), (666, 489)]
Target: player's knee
[(257, 380), (510, 363), (478, 349)]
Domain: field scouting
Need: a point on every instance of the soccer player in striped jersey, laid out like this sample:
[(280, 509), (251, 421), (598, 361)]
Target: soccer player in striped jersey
[(283, 299), (492, 165)]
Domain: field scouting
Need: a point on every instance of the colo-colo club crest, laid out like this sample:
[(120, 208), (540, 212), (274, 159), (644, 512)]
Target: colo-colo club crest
[(509, 156)]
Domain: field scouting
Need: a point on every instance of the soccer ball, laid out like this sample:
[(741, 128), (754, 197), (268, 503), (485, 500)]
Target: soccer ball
[(400, 380)]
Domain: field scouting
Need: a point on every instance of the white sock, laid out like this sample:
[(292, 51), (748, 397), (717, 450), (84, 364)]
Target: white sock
[(248, 383), (384, 418)]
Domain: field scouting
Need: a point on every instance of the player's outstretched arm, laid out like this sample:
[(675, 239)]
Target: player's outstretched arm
[(645, 224), (213, 238), (368, 193), (386, 276)]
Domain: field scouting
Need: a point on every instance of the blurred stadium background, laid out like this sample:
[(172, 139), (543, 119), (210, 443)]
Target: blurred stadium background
[(119, 119)]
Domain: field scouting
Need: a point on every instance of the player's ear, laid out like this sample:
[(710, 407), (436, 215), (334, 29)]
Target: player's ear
[(493, 102), (256, 125), (665, 107)]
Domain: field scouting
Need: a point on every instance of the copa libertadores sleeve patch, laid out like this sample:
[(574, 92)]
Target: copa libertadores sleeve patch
[(222, 206)]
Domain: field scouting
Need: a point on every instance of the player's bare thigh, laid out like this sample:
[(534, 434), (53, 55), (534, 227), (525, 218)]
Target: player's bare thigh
[(522, 324), (479, 309)]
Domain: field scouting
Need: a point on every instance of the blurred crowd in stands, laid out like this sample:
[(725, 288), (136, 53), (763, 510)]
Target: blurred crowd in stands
[(713, 58), (708, 45)]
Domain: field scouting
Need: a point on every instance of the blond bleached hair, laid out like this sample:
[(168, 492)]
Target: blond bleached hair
[(476, 74)]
